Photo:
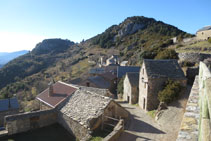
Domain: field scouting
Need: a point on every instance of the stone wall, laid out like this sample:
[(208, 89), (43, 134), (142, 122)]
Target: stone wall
[(203, 35), (74, 127), (28, 121), (115, 134), (204, 102), (130, 92), (190, 122), (6, 113), (134, 95), (127, 90), (143, 87), (151, 96), (193, 57), (117, 111), (196, 121)]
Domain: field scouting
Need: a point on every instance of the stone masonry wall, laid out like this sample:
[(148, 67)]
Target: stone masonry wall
[(6, 113), (143, 87), (115, 134), (203, 35), (193, 57), (28, 121), (190, 123), (154, 86), (127, 90), (73, 127)]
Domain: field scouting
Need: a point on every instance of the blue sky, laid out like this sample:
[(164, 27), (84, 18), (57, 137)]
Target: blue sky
[(23, 23)]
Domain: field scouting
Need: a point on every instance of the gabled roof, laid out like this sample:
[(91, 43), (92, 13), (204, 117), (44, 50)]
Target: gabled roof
[(83, 106), (133, 78), (163, 68), (122, 70), (204, 28), (4, 104), (61, 91)]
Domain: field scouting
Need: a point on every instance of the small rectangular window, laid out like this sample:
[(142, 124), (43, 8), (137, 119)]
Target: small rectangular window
[(145, 85), (143, 71)]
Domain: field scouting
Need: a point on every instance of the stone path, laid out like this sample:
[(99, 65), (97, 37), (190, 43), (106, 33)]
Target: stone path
[(142, 127)]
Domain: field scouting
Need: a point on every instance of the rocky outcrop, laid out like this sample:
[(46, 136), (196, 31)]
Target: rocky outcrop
[(129, 28)]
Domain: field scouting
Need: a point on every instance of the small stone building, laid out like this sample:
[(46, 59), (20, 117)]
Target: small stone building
[(113, 60), (131, 88), (204, 33), (8, 107), (153, 75), (81, 110)]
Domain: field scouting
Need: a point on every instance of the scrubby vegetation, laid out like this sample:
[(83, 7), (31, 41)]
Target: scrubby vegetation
[(170, 92), (152, 113), (209, 40), (167, 54)]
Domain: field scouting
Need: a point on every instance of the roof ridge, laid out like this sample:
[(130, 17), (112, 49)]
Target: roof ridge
[(71, 85), (93, 93)]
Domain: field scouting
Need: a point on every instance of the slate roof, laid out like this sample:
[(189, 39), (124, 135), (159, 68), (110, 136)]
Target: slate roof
[(83, 106), (4, 104), (163, 68), (122, 70), (205, 28), (99, 81), (99, 91), (109, 76), (61, 91), (133, 78)]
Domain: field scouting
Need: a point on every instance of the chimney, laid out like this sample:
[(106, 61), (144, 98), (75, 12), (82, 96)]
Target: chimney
[(50, 91)]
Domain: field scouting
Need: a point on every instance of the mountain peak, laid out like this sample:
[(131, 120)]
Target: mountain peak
[(55, 45)]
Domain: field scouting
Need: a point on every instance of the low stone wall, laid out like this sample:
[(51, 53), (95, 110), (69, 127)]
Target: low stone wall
[(6, 113), (193, 57), (190, 122), (27, 121), (196, 124), (115, 134)]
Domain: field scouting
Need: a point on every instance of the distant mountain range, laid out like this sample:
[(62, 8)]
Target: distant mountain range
[(5, 57)]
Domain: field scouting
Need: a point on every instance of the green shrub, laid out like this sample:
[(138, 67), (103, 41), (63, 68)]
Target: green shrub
[(152, 113), (96, 139), (167, 54), (209, 40), (170, 92)]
